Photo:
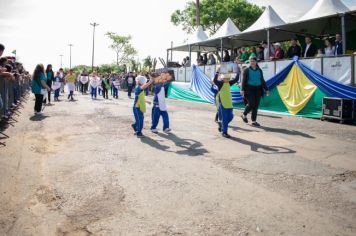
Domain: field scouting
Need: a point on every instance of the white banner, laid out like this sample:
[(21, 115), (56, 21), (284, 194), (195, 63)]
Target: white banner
[(175, 71), (338, 69), (267, 68), (210, 71), (280, 65), (188, 74), (314, 64), (181, 74)]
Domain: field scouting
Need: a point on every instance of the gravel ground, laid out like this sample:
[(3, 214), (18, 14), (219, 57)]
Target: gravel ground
[(79, 170)]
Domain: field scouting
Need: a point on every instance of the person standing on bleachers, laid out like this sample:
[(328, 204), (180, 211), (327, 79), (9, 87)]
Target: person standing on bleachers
[(310, 49), (294, 49)]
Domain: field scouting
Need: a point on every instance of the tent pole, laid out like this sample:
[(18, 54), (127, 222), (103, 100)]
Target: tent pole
[(190, 55), (221, 50), (167, 58), (268, 45), (171, 50), (343, 31)]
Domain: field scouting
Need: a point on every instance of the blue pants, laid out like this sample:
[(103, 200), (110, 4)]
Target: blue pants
[(139, 117), (93, 92), (115, 92), (56, 92), (226, 117), (156, 114), (129, 90), (70, 95)]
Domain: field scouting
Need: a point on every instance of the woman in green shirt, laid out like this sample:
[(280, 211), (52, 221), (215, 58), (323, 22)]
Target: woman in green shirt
[(38, 83), (252, 89)]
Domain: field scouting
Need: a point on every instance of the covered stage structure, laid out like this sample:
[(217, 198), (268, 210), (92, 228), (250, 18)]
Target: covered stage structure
[(326, 18), (324, 74)]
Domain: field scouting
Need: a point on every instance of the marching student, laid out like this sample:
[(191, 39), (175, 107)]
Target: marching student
[(105, 84), (56, 86), (225, 99), (139, 106), (70, 79), (215, 91), (130, 80), (62, 75), (93, 84), (115, 81), (159, 107), (50, 78)]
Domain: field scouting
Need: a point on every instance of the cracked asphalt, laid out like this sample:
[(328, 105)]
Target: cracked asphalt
[(79, 170)]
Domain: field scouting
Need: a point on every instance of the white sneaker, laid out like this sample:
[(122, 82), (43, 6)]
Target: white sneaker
[(154, 131), (167, 130)]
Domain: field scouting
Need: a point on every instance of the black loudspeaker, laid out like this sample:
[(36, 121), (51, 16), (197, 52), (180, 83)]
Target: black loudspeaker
[(338, 108)]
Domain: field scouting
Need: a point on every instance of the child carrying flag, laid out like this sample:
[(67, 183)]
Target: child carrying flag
[(225, 99)]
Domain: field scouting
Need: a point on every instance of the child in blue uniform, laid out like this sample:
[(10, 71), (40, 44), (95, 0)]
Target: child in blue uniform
[(215, 91), (159, 108), (225, 100), (139, 107)]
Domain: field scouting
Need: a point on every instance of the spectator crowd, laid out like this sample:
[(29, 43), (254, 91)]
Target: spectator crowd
[(332, 47), (14, 84)]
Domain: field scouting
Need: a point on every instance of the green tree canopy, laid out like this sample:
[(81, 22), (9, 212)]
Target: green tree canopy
[(213, 13), (122, 47)]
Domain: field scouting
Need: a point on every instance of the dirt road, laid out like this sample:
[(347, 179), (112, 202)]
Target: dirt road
[(80, 171)]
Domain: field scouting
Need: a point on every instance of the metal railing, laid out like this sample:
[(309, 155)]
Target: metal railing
[(340, 68), (11, 94)]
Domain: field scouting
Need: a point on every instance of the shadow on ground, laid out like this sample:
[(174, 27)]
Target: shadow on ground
[(188, 147), (265, 149)]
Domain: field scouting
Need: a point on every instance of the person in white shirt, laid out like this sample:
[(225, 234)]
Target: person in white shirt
[(159, 107), (94, 82), (329, 49)]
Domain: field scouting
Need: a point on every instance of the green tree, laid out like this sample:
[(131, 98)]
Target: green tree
[(122, 47), (213, 13), (148, 63), (80, 68)]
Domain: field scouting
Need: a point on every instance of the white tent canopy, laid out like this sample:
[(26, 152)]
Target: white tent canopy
[(325, 8), (268, 19), (198, 36), (226, 30)]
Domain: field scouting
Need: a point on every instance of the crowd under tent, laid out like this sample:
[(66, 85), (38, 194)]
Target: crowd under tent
[(326, 18)]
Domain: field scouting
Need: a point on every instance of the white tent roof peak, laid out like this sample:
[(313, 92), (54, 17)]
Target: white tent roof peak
[(268, 19), (325, 8), (227, 29), (198, 36)]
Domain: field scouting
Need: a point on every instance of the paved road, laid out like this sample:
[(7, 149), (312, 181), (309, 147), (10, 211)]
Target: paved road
[(80, 171)]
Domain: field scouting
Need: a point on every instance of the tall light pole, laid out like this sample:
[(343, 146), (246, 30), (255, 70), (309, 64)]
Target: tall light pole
[(92, 58), (61, 60), (198, 23), (70, 55), (198, 13)]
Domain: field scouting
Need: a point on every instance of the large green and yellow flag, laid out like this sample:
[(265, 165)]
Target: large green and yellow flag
[(296, 90)]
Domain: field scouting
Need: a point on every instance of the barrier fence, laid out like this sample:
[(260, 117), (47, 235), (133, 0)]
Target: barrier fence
[(340, 69), (11, 92)]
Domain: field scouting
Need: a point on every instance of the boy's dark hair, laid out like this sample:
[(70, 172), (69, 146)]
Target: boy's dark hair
[(2, 47)]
